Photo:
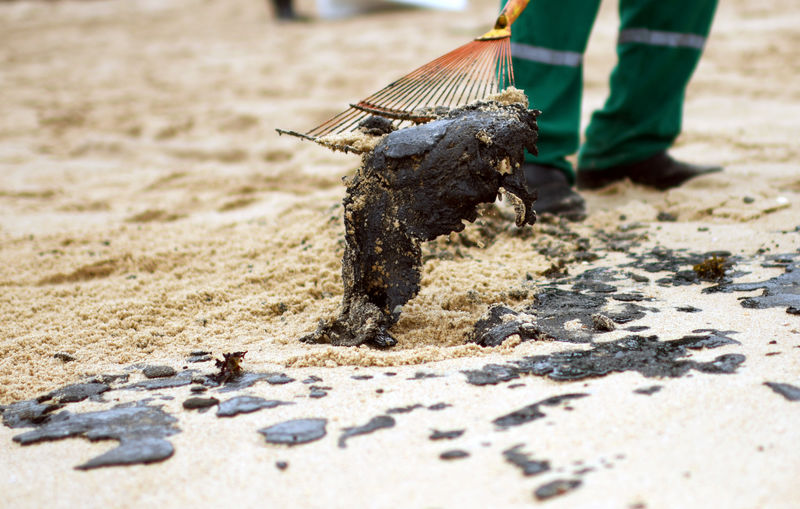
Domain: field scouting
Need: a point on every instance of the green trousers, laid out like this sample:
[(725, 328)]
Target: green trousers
[(658, 47)]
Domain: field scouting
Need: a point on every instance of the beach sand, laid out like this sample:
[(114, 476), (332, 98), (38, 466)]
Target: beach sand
[(148, 209)]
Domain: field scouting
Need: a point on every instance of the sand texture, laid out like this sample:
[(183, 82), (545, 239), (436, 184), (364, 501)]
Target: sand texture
[(149, 212)]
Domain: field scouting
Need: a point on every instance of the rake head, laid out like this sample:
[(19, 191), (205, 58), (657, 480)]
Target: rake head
[(466, 74)]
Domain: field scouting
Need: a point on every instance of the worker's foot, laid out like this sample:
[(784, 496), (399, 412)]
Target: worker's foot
[(555, 196), (284, 11), (659, 171)]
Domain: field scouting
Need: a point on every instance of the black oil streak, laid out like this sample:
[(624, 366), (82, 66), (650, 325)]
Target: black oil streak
[(446, 435), (454, 454), (246, 404), (28, 413), (532, 411), (646, 355), (374, 424), (140, 429), (439, 406), (783, 290), (648, 391), (279, 379), (556, 488), (420, 375), (76, 392), (522, 460), (404, 409), (244, 381), (181, 379), (790, 392)]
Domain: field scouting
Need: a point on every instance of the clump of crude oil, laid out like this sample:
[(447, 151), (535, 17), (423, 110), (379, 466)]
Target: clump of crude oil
[(416, 184)]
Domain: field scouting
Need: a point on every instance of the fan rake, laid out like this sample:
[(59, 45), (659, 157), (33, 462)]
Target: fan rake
[(468, 73)]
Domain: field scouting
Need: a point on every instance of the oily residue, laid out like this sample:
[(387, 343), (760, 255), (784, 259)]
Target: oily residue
[(780, 291), (296, 431), (788, 391), (417, 184), (524, 462), (374, 424), (533, 411), (140, 429), (645, 354), (246, 404)]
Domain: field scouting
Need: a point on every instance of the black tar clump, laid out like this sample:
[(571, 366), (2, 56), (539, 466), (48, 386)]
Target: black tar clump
[(417, 184)]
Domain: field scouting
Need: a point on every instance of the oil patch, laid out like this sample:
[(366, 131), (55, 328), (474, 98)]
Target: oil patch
[(294, 432), (419, 183), (533, 411), (374, 424), (140, 429), (645, 354)]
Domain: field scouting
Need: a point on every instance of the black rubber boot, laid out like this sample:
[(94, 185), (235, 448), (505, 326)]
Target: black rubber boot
[(659, 171), (555, 196), (284, 10)]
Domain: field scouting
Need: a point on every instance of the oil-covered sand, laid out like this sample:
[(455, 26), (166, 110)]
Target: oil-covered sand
[(150, 216)]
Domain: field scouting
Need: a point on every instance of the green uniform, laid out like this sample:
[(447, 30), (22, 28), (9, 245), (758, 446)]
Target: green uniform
[(658, 47)]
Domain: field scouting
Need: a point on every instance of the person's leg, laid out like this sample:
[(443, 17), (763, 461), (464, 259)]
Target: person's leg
[(547, 45), (658, 48)]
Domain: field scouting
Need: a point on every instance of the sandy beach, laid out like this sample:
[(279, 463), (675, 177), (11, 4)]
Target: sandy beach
[(150, 215)]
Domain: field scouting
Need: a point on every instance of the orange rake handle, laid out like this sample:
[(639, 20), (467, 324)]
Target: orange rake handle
[(502, 27)]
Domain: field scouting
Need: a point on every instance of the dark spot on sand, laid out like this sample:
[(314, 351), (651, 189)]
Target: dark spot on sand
[(556, 488), (158, 371), (533, 412), (279, 379), (500, 322), (76, 392), (361, 377), (140, 429), (454, 454), (64, 357), (246, 404), (196, 403), (523, 461), (446, 435), (688, 309), (780, 291), (297, 431), (790, 392), (179, 380), (421, 375), (648, 391), (317, 392), (404, 409), (28, 413), (439, 406), (242, 381), (491, 374), (374, 424), (281, 465)]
